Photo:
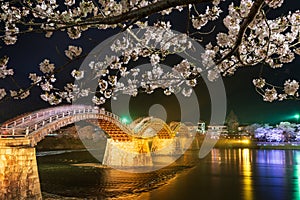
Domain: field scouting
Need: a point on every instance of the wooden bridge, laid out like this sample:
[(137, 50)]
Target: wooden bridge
[(36, 125), (127, 145)]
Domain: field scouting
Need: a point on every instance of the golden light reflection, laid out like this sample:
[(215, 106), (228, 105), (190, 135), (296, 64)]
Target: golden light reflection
[(247, 174)]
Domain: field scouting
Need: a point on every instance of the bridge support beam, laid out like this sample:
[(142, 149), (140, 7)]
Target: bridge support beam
[(127, 154), (18, 171)]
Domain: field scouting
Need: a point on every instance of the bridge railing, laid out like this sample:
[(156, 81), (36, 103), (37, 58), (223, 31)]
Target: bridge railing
[(39, 115), (116, 120), (11, 132), (59, 115), (34, 121), (26, 125)]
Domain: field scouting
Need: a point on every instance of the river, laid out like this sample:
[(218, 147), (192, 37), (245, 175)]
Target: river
[(231, 174)]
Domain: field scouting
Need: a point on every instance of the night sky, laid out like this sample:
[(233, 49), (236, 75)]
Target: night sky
[(31, 49)]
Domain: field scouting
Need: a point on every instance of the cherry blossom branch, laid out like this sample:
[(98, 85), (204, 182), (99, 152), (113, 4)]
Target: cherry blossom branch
[(139, 13), (243, 27)]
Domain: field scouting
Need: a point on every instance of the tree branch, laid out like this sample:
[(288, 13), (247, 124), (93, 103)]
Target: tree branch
[(142, 12), (132, 15), (243, 27)]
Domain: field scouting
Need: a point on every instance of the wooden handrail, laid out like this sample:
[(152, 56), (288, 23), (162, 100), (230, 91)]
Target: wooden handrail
[(36, 120)]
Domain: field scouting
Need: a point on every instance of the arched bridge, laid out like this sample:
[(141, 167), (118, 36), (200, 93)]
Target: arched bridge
[(142, 140), (36, 125)]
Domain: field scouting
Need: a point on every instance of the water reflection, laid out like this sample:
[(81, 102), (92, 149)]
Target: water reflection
[(227, 174), (271, 157), (296, 175), (235, 159), (247, 174)]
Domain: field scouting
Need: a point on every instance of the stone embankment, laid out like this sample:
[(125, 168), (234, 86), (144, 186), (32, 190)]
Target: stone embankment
[(18, 171)]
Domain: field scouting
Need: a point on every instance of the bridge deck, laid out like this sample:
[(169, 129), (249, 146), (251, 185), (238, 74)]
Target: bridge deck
[(36, 125)]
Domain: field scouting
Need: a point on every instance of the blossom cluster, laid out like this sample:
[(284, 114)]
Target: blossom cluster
[(272, 42), (73, 52), (156, 44), (283, 132), (271, 93), (4, 72), (50, 15)]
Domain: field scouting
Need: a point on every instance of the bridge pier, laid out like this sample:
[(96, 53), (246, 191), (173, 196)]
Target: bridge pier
[(18, 171), (127, 153), (170, 146)]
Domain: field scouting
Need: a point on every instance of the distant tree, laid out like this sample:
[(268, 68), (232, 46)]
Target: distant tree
[(297, 133), (288, 130), (232, 123), (275, 135), (262, 132), (250, 129), (285, 131)]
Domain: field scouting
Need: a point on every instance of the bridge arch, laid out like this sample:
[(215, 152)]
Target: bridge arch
[(36, 125), (151, 127)]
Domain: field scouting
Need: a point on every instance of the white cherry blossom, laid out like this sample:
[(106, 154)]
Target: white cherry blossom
[(291, 87), (73, 52), (46, 66), (265, 40)]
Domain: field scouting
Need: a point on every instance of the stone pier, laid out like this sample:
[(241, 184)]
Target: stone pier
[(169, 147), (127, 154), (18, 171)]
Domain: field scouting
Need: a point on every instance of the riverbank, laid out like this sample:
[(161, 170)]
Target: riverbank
[(64, 143), (247, 143)]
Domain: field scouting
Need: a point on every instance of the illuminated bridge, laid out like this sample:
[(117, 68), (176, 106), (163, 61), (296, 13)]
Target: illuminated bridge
[(133, 145), (36, 125)]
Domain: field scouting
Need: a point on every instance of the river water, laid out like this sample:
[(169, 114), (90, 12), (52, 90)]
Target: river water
[(231, 174)]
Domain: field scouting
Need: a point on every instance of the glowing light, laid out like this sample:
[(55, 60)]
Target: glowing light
[(245, 141), (125, 120)]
